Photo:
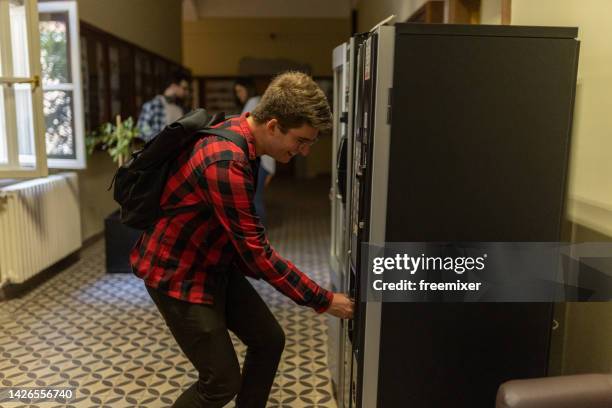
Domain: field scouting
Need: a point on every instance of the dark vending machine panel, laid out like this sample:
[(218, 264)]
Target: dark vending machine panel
[(364, 118), (345, 115), (477, 135), (360, 192)]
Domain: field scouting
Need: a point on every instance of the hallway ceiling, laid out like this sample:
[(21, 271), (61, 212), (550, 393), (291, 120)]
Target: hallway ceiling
[(195, 9)]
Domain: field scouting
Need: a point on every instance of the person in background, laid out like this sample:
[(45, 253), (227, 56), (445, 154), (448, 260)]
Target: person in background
[(166, 108), (246, 96)]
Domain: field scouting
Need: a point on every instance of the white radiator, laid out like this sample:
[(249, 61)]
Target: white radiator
[(40, 223)]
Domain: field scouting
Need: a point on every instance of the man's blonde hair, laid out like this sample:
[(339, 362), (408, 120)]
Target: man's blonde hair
[(294, 99)]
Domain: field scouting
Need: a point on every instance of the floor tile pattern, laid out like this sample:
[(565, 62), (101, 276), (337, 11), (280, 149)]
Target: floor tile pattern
[(101, 334)]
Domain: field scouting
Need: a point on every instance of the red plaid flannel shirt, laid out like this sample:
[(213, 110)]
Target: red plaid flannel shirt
[(186, 255)]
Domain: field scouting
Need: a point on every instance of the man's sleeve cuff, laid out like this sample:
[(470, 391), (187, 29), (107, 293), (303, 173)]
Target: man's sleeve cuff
[(326, 298)]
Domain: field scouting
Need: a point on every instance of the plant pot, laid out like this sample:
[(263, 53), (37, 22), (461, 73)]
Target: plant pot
[(120, 240)]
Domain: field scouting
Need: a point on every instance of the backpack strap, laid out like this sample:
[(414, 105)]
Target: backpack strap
[(228, 135)]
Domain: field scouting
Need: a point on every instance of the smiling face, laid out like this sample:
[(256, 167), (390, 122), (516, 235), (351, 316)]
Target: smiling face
[(291, 114), (283, 144)]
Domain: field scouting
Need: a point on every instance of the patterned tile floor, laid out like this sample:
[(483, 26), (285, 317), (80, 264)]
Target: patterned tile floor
[(101, 334)]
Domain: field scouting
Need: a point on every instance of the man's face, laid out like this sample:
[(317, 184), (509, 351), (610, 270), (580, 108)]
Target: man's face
[(181, 90), (283, 144)]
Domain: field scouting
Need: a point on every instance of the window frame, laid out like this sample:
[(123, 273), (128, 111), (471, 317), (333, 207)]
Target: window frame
[(76, 86), (13, 169)]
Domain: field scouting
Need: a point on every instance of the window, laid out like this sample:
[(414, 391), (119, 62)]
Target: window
[(22, 151), (61, 82)]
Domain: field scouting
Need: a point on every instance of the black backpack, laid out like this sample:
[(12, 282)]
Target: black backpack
[(140, 182)]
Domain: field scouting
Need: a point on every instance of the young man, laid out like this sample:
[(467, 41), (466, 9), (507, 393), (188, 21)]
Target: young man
[(194, 263), (164, 109)]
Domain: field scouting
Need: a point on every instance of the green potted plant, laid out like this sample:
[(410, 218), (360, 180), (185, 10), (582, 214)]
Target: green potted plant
[(118, 139)]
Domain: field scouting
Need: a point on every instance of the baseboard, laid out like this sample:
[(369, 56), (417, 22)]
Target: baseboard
[(16, 290), (591, 216), (92, 240)]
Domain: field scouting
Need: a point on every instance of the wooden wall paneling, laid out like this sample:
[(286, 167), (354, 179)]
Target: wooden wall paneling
[(464, 11), (218, 95), (85, 81), (201, 91), (127, 80), (98, 82), (430, 12), (149, 86), (194, 101), (138, 82), (161, 75), (90, 78), (105, 64), (114, 77), (506, 17), (121, 76)]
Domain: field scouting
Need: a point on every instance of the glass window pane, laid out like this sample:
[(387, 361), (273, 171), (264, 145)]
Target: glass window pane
[(23, 92), (55, 52), (54, 48), (19, 38), (59, 124), (20, 107), (3, 150), (25, 124)]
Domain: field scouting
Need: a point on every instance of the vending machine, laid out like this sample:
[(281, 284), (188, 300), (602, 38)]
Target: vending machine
[(454, 133), (343, 59)]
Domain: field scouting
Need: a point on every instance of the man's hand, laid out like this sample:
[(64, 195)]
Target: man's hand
[(341, 306)]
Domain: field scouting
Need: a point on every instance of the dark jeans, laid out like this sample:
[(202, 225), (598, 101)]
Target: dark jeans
[(201, 331)]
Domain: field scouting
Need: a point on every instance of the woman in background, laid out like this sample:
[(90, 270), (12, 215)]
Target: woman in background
[(246, 96)]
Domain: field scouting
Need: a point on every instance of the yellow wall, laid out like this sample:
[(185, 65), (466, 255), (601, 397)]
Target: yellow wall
[(96, 202), (587, 345), (588, 327), (591, 165), (490, 11), (152, 24), (214, 46), (584, 342), (371, 12)]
